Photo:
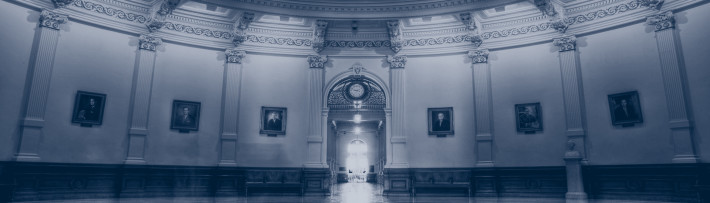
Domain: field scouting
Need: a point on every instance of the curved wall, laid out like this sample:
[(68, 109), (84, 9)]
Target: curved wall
[(92, 58)]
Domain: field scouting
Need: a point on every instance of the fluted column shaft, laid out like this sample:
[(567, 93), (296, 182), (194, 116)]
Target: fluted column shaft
[(482, 106), (317, 116), (398, 139), (142, 87), (572, 91), (673, 83), (33, 121), (230, 102)]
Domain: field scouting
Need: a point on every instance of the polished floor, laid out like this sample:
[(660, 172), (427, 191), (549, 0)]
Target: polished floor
[(341, 193)]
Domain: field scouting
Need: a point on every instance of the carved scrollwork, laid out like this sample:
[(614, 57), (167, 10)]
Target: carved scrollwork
[(149, 42), (566, 43), (652, 4), (62, 3), (395, 33), (240, 28), (51, 19), (560, 25), (479, 56), (234, 55), (319, 35), (337, 98), (397, 61), (662, 21)]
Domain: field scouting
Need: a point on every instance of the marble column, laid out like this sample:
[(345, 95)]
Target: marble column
[(398, 137), (482, 106), (230, 102), (673, 82), (142, 87), (33, 121), (572, 91), (317, 116)]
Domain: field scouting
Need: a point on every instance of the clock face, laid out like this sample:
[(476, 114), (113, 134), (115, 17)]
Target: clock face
[(356, 90)]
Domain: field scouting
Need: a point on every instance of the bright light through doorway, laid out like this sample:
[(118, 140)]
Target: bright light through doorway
[(357, 161)]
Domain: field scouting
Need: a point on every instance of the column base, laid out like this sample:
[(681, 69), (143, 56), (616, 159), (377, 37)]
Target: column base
[(685, 159), (580, 197), (27, 157), (397, 182), (134, 161)]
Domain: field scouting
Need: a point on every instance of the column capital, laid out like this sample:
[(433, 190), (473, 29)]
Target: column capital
[(51, 19), (234, 55), (662, 21), (62, 3), (566, 43), (317, 61), (479, 55), (397, 61), (149, 42)]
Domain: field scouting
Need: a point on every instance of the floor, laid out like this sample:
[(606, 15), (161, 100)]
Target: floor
[(341, 193)]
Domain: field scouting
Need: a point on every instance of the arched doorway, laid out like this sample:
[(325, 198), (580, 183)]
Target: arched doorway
[(356, 150)]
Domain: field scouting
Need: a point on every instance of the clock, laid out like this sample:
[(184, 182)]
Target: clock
[(356, 90)]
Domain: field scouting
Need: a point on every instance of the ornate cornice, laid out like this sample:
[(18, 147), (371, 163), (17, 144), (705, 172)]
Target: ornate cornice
[(234, 55), (546, 7), (566, 43), (479, 56), (98, 8), (357, 44), (149, 42), (319, 35), (317, 61), (631, 5), (394, 27), (51, 19), (278, 40), (662, 21), (198, 31), (397, 61), (159, 12), (241, 27), (652, 4), (62, 3), (559, 25)]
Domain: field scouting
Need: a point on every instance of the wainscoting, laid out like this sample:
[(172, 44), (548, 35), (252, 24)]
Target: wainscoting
[(21, 181)]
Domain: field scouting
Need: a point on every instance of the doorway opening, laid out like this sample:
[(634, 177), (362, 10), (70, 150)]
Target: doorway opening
[(357, 162)]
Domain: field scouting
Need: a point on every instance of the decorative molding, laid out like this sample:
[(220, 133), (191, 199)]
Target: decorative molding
[(62, 3), (443, 40), (319, 35), (559, 25), (149, 42), (241, 27), (394, 28), (279, 41), (467, 21), (198, 31), (631, 5), (234, 55), (317, 61), (479, 56), (662, 21), (397, 61), (516, 31), (159, 12), (51, 19), (566, 43), (357, 44), (652, 4), (88, 5), (546, 7)]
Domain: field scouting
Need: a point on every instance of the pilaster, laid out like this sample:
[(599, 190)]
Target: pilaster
[(673, 83), (33, 121), (317, 136), (230, 102), (398, 139), (572, 91), (482, 104), (142, 87)]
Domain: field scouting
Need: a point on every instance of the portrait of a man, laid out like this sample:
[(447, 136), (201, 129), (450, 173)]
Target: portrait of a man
[(185, 115), (528, 117), (88, 108), (625, 108), (441, 121), (273, 121)]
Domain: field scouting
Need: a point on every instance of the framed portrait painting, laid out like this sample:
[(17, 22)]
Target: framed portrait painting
[(625, 108), (185, 116), (528, 117), (273, 120), (441, 121), (88, 108)]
